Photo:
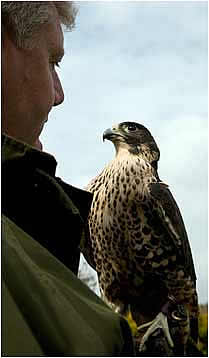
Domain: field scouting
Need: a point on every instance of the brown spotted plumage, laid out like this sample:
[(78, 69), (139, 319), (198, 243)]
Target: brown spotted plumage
[(139, 243)]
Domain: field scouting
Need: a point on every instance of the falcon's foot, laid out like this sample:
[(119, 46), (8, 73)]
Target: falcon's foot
[(161, 322)]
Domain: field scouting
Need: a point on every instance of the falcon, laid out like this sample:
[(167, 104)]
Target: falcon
[(139, 245)]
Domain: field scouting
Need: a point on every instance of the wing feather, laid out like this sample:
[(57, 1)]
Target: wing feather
[(171, 218)]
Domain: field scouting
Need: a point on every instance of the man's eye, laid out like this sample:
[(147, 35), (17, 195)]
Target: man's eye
[(55, 64)]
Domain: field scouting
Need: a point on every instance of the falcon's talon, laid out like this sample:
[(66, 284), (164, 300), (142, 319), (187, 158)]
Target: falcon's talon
[(176, 318), (160, 322)]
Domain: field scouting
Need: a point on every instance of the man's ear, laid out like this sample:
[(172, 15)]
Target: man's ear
[(4, 36), (3, 33)]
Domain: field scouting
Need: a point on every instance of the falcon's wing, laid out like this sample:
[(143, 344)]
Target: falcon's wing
[(171, 219)]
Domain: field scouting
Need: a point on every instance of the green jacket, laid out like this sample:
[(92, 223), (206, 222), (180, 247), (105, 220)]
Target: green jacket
[(46, 309)]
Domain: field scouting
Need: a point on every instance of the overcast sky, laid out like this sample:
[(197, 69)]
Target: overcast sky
[(144, 62)]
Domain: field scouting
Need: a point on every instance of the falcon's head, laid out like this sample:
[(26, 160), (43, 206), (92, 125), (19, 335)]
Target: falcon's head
[(135, 138)]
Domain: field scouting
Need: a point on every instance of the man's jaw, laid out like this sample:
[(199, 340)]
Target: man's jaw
[(38, 144)]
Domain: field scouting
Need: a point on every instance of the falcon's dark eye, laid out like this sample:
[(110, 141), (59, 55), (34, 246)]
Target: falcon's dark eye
[(131, 127)]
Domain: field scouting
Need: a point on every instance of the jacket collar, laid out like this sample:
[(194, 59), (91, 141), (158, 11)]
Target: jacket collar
[(13, 151), (32, 157)]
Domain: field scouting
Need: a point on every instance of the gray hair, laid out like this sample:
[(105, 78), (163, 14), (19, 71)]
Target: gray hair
[(23, 19)]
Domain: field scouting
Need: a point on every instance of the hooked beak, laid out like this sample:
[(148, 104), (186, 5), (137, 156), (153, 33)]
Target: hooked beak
[(110, 134)]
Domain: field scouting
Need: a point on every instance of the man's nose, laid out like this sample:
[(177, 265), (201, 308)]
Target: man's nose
[(59, 94)]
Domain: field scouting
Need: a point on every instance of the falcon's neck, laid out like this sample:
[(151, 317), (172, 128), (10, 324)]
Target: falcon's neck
[(133, 163)]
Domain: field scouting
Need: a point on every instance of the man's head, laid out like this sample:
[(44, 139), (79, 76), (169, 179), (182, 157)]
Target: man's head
[(32, 47)]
